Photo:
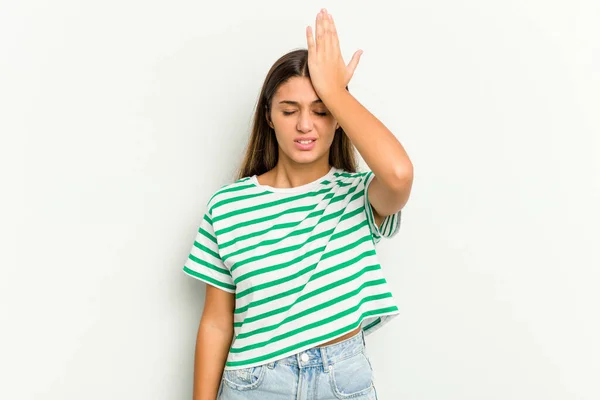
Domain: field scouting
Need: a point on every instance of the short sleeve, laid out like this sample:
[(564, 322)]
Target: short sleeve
[(391, 223), (204, 262)]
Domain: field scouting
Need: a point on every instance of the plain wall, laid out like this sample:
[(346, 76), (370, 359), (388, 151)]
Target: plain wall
[(119, 119)]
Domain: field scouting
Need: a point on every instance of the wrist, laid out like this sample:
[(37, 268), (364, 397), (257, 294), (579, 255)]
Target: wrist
[(333, 96)]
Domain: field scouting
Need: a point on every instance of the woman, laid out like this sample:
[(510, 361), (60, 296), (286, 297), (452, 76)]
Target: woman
[(288, 250)]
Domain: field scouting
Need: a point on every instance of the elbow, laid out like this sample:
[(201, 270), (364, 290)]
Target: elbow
[(404, 177), (402, 187)]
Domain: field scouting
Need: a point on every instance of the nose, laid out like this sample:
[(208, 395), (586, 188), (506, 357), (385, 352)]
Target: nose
[(305, 122)]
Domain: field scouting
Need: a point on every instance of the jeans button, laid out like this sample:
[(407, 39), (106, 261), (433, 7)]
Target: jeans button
[(304, 357)]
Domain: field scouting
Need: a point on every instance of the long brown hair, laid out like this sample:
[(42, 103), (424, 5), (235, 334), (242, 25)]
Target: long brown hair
[(262, 152)]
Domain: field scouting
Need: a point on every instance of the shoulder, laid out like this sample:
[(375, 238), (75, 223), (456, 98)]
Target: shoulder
[(228, 192), (356, 178)]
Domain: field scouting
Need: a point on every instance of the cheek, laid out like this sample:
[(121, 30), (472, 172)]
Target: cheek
[(284, 123), (331, 122), (328, 126)]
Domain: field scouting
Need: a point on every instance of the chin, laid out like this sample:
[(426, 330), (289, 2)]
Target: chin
[(304, 157)]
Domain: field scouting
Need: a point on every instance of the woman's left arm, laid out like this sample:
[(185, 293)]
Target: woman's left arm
[(390, 188), (384, 154)]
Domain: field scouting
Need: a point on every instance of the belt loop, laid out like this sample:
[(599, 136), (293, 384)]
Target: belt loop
[(362, 334), (324, 359)]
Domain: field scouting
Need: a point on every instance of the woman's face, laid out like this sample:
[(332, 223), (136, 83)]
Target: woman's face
[(304, 127)]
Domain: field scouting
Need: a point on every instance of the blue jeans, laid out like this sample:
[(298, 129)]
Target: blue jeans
[(338, 371)]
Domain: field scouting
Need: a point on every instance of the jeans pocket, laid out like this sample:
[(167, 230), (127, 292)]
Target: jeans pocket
[(351, 377), (244, 378)]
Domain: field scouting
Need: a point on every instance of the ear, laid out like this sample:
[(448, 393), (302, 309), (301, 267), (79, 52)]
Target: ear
[(268, 118)]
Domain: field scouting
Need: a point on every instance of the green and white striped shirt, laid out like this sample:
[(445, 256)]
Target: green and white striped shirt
[(301, 262)]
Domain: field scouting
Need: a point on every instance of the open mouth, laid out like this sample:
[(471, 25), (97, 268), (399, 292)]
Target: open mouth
[(305, 144)]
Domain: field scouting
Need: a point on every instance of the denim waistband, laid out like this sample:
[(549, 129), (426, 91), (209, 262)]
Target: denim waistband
[(326, 355)]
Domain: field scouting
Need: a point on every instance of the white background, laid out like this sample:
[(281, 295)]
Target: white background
[(119, 119)]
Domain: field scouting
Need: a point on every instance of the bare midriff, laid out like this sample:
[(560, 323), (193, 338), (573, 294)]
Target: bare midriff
[(343, 337)]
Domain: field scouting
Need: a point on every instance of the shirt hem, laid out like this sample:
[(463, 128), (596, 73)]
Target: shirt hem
[(385, 317)]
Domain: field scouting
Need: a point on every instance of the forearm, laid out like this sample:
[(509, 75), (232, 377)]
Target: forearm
[(380, 149), (212, 347)]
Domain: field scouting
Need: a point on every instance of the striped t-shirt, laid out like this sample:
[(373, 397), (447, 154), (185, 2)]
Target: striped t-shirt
[(301, 262)]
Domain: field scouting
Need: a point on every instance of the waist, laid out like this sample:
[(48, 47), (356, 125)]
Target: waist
[(326, 354)]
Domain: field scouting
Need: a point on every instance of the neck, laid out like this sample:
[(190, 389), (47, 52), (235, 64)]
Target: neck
[(285, 175)]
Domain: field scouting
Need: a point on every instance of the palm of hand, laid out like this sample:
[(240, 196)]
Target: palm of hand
[(328, 71)]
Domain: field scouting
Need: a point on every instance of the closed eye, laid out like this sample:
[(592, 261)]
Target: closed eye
[(322, 114)]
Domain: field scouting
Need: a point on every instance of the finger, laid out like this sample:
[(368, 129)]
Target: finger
[(310, 40), (334, 36), (326, 32), (319, 32), (354, 61)]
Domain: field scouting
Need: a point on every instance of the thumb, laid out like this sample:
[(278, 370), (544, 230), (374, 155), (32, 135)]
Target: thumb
[(354, 61)]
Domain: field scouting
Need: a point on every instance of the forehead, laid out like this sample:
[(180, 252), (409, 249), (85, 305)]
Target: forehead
[(298, 89)]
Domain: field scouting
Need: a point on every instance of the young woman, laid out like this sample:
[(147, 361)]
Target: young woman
[(288, 250)]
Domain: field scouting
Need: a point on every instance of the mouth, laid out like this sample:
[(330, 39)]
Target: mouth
[(305, 144)]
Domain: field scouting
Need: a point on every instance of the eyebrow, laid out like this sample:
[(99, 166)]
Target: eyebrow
[(295, 103)]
